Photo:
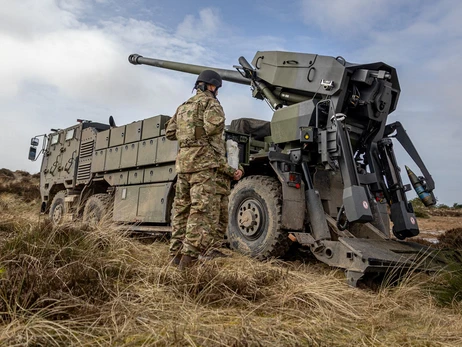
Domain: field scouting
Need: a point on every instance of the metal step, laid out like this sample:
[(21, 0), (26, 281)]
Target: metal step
[(384, 252)]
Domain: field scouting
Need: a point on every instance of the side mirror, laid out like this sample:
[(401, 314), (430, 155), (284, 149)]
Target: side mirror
[(34, 141), (32, 153)]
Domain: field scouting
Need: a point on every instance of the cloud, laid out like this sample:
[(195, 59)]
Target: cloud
[(58, 66), (27, 20), (206, 25), (350, 17)]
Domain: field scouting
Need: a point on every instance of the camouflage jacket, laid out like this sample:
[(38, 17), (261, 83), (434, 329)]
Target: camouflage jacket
[(198, 126)]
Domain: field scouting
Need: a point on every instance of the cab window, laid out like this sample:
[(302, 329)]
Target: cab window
[(70, 134), (54, 139)]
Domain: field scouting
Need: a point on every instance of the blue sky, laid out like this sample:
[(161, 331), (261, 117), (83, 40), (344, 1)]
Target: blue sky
[(67, 59)]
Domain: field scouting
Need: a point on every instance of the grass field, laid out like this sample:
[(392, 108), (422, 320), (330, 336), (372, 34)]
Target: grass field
[(81, 286)]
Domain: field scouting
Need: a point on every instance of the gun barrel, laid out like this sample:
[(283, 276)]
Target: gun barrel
[(227, 75)]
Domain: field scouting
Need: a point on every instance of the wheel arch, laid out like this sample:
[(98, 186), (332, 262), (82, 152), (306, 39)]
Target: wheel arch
[(280, 166), (47, 199)]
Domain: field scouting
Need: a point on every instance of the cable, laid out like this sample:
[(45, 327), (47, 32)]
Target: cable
[(341, 212)]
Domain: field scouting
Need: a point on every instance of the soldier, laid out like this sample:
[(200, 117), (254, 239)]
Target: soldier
[(197, 124)]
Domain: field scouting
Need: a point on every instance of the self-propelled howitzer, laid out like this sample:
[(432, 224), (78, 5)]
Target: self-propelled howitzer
[(328, 156)]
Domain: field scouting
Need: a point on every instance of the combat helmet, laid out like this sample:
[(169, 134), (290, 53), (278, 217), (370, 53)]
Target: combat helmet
[(209, 77)]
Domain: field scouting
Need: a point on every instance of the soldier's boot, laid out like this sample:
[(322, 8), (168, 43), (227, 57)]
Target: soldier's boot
[(212, 254), (186, 262), (175, 259)]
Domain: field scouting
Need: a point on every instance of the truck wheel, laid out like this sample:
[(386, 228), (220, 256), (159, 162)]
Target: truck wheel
[(255, 209), (96, 208), (58, 208)]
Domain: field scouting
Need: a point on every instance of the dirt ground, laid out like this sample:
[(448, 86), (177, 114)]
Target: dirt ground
[(439, 223), (431, 228)]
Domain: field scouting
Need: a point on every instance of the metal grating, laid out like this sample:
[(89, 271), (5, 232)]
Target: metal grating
[(86, 149), (84, 171)]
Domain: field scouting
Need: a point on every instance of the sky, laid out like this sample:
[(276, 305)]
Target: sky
[(63, 60)]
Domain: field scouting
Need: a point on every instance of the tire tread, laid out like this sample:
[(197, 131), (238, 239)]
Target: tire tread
[(270, 190)]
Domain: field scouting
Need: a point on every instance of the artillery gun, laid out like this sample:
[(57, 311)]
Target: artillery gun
[(325, 175), (321, 173)]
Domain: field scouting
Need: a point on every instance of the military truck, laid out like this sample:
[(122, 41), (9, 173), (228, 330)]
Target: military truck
[(322, 173), (91, 169)]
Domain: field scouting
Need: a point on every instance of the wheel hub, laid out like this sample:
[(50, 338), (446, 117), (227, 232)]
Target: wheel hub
[(58, 214), (250, 218)]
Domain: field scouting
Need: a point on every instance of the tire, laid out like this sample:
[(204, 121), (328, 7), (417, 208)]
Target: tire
[(58, 208), (255, 210), (97, 208)]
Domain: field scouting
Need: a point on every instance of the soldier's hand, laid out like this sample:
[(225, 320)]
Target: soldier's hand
[(237, 175)]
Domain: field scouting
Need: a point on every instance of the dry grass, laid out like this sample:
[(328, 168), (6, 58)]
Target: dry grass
[(451, 238), (439, 224), (77, 286), (20, 183), (445, 212), (82, 286)]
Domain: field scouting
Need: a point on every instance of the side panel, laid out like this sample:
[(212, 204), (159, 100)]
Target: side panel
[(153, 126), (286, 122), (112, 158), (133, 132), (293, 208), (126, 204), (117, 136), (135, 176), (329, 185), (99, 160), (147, 152), (146, 203), (129, 155), (166, 150), (160, 173), (102, 140), (117, 178), (152, 205)]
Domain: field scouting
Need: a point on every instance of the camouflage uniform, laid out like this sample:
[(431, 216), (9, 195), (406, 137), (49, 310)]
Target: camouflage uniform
[(197, 125)]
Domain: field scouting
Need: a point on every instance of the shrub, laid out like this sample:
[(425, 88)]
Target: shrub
[(24, 186), (6, 173), (451, 239), (45, 266)]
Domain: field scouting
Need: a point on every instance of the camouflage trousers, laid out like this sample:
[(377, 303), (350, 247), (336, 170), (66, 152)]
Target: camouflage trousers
[(193, 224), (221, 218)]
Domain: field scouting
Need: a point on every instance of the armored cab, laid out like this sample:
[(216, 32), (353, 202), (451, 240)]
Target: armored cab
[(66, 162)]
